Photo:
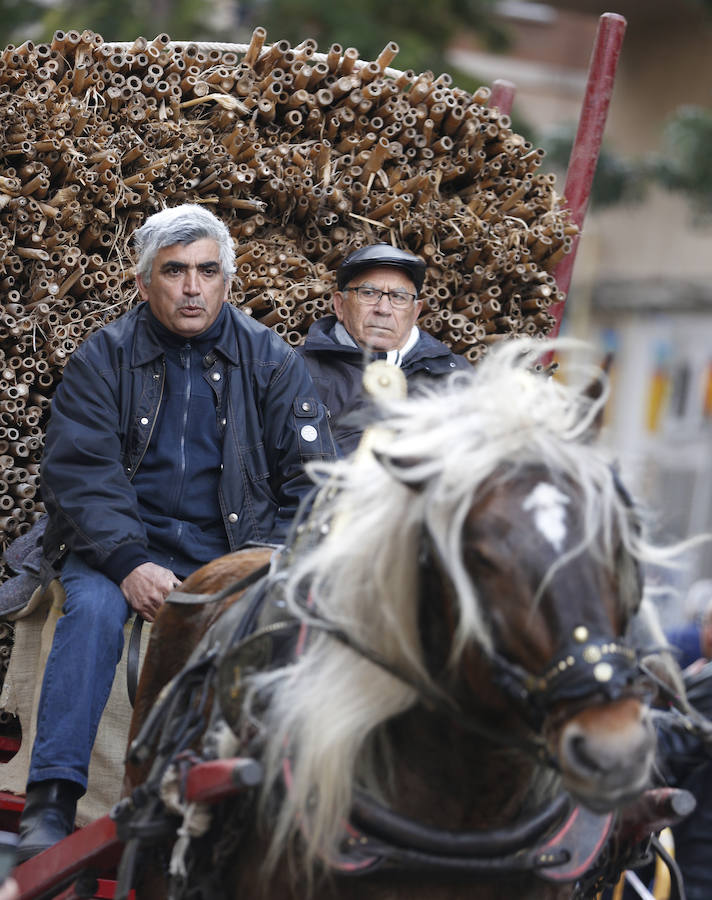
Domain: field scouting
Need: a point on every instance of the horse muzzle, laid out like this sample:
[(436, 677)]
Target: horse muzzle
[(606, 752)]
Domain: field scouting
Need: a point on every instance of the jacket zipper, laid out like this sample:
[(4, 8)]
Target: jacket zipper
[(188, 386)]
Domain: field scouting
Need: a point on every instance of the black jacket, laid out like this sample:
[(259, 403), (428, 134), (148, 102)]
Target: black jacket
[(104, 412), (337, 370)]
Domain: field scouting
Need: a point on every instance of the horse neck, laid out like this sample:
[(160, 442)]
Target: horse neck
[(450, 777)]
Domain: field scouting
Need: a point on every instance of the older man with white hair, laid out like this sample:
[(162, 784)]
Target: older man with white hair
[(376, 308)]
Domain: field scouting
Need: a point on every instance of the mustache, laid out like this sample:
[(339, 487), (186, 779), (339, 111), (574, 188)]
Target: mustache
[(199, 304)]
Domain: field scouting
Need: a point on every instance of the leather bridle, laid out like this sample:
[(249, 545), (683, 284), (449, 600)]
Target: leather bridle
[(585, 667)]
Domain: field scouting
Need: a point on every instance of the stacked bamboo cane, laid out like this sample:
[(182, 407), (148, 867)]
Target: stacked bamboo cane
[(305, 156)]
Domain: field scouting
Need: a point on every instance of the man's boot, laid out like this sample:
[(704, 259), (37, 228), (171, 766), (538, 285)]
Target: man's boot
[(48, 816)]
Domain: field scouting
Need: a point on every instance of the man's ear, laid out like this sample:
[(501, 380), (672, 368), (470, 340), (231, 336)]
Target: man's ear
[(338, 303), (142, 288)]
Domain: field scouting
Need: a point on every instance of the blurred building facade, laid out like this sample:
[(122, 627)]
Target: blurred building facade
[(642, 284)]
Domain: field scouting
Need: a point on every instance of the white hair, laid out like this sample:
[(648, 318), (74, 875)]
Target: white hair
[(182, 224)]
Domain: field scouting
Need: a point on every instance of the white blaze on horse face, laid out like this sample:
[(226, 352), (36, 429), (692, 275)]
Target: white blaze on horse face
[(549, 506)]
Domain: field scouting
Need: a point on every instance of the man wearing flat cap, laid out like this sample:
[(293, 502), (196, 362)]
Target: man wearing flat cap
[(376, 307)]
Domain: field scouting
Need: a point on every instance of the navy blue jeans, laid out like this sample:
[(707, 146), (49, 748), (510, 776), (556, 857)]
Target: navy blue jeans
[(86, 649)]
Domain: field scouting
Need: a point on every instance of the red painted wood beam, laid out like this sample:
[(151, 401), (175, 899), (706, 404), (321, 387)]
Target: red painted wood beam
[(589, 136), (502, 96), (12, 802), (96, 846), (208, 782)]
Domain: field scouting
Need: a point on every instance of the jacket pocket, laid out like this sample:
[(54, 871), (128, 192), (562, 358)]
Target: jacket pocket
[(312, 425)]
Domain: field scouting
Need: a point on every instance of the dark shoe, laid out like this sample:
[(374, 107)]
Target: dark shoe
[(48, 816)]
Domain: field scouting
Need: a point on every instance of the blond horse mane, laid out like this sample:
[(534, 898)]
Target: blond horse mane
[(433, 455)]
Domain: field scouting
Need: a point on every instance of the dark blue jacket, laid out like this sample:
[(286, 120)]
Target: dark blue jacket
[(686, 643), (337, 371), (104, 412)]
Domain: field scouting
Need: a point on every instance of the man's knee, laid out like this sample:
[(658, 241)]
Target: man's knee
[(93, 602)]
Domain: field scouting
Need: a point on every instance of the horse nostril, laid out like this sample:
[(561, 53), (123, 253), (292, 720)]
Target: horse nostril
[(596, 756), (577, 747)]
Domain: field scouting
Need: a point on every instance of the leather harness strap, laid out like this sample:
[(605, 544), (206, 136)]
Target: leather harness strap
[(185, 598), (133, 658), (560, 852)]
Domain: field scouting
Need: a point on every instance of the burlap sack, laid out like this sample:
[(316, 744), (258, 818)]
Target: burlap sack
[(34, 630)]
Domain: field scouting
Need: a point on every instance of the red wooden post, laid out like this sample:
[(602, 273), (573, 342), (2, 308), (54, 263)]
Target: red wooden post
[(502, 95), (589, 136)]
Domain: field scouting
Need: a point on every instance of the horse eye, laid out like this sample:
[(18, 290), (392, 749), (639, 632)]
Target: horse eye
[(479, 558)]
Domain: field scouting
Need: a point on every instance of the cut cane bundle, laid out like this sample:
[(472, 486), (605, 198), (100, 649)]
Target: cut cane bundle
[(305, 156)]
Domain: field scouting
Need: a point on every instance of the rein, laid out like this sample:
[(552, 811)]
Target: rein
[(610, 667), (180, 597), (432, 697), (187, 599), (559, 842)]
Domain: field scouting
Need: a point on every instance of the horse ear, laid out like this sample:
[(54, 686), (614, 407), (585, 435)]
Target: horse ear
[(594, 391)]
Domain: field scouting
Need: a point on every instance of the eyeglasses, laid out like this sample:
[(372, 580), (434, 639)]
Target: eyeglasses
[(371, 296)]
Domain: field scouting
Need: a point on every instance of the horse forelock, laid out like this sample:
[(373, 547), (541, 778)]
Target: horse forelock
[(434, 454)]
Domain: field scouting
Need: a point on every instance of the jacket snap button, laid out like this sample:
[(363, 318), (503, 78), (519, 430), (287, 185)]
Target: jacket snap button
[(306, 407), (144, 420), (232, 517), (215, 376)]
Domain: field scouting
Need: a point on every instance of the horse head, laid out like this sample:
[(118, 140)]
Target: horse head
[(539, 546), (557, 582), (480, 567)]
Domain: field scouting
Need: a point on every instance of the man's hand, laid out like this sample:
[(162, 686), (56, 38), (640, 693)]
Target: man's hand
[(146, 587)]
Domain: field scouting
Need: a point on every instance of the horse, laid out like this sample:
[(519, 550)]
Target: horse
[(458, 713)]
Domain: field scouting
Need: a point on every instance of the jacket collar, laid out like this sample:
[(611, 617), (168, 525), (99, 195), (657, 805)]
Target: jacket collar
[(150, 343), (321, 337)]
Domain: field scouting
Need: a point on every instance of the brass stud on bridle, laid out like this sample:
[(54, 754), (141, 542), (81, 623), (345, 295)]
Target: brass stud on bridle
[(603, 672), (593, 656)]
